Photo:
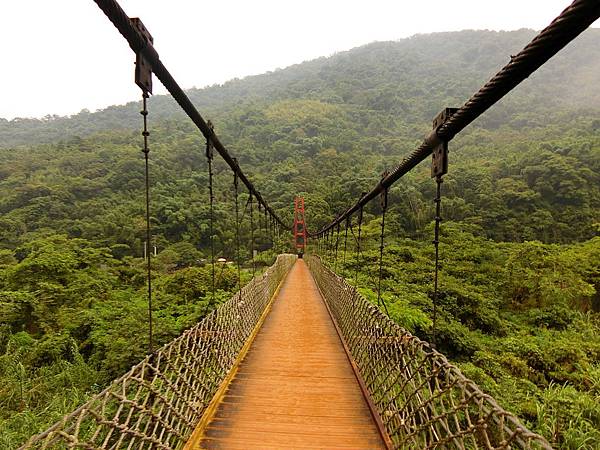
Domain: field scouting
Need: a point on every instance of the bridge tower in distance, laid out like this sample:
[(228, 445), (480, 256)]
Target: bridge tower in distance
[(299, 226)]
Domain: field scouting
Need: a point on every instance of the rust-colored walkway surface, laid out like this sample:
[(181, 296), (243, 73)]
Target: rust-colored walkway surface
[(295, 388)]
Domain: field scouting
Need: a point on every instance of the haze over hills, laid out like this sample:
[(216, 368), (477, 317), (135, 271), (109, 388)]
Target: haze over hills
[(410, 78)]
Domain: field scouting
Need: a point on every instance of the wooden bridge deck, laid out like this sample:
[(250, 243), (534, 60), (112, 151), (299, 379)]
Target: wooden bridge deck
[(295, 388)]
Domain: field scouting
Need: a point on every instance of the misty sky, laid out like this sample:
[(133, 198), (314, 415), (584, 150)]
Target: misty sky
[(60, 56)]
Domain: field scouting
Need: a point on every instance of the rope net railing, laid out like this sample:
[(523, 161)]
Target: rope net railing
[(159, 401), (423, 401)]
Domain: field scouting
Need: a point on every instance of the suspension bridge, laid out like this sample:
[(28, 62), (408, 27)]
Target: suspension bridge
[(297, 358)]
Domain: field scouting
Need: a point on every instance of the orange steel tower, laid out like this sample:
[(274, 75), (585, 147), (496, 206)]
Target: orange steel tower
[(299, 226)]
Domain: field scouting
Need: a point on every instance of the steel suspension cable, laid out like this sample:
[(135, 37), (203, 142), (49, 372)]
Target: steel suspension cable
[(209, 158), (436, 243), (266, 227), (267, 238), (146, 151), (384, 204), (348, 219), (360, 219), (259, 228), (262, 228), (321, 245), (271, 232), (337, 240), (252, 235)]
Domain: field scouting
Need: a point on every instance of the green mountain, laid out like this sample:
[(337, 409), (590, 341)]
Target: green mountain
[(348, 117), (520, 252), (411, 78)]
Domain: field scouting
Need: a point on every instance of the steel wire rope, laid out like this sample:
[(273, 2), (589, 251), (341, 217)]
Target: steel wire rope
[(209, 158), (148, 252), (237, 231), (250, 201), (384, 205)]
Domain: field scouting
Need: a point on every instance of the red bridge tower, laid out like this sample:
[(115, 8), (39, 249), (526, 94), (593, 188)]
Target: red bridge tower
[(299, 226)]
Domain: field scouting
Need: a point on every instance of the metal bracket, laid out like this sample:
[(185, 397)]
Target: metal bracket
[(143, 69), (210, 148), (439, 157)]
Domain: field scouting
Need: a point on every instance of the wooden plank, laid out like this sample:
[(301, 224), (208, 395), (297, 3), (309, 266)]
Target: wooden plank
[(295, 388)]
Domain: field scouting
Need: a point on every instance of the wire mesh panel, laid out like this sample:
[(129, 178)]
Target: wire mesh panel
[(160, 400), (424, 401)]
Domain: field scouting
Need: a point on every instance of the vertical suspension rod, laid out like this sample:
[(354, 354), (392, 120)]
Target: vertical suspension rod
[(360, 219), (384, 204), (139, 44), (563, 29), (436, 243), (337, 240), (237, 230), (252, 235), (146, 151), (209, 158), (348, 219)]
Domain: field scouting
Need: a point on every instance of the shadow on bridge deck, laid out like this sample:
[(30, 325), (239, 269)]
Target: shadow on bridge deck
[(295, 388)]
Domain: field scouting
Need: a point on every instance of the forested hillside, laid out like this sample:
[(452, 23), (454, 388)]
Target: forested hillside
[(520, 252)]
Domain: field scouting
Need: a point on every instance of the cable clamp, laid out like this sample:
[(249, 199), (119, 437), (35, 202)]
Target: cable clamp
[(143, 69), (439, 157)]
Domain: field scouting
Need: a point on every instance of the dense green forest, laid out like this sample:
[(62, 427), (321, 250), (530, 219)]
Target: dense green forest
[(520, 295)]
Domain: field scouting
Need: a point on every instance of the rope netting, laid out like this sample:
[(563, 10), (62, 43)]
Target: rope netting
[(424, 401), (159, 401)]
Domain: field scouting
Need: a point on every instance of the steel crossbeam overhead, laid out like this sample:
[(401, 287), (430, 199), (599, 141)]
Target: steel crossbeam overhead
[(140, 45), (567, 26)]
